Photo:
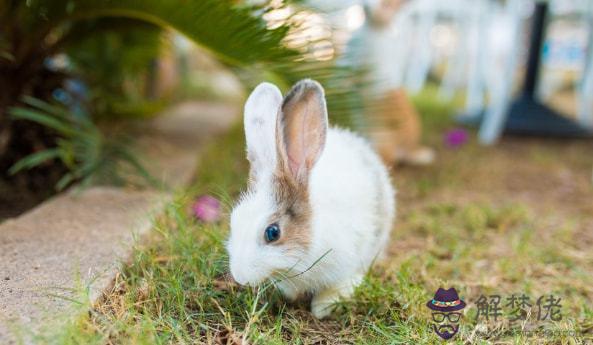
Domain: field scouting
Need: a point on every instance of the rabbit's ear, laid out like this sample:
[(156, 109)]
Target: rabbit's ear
[(302, 128), (261, 112)]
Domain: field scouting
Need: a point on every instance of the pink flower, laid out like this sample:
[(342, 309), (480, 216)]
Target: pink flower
[(456, 137), (207, 209)]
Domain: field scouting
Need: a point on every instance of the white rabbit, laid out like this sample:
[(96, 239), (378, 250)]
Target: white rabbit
[(320, 204)]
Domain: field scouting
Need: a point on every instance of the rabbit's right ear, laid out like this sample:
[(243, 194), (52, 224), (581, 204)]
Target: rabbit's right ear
[(302, 129), (261, 112)]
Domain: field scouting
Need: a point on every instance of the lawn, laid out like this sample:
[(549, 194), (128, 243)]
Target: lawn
[(514, 219)]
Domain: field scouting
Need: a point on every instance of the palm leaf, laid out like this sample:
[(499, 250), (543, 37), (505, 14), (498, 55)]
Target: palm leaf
[(35, 159), (65, 181), (229, 31), (237, 35), (41, 118), (46, 107), (233, 33)]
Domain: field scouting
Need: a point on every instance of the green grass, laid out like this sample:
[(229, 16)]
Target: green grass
[(176, 288)]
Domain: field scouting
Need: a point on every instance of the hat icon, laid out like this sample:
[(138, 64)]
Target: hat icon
[(446, 301)]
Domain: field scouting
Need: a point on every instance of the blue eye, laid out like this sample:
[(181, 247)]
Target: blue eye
[(272, 233)]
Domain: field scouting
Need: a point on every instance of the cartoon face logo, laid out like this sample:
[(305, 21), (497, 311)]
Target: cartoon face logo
[(445, 308)]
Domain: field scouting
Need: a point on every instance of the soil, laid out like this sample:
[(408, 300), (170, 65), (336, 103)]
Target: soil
[(550, 177)]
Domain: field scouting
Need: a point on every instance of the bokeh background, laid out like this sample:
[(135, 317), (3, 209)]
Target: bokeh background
[(483, 109), (102, 64)]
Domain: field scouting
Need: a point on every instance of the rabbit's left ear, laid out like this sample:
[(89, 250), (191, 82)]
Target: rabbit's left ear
[(302, 129)]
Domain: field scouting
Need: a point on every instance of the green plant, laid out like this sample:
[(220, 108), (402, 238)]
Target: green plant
[(113, 59), (235, 33), (33, 31), (89, 155)]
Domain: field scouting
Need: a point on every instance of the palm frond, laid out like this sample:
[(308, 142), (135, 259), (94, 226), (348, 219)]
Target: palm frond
[(47, 120), (88, 154), (236, 34), (35, 159), (231, 32)]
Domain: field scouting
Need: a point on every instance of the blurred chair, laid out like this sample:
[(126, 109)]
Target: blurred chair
[(501, 74), (485, 50), (585, 102), (484, 63), (527, 114)]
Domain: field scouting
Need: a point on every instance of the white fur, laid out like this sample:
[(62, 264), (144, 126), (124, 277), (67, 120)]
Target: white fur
[(353, 208), (261, 111)]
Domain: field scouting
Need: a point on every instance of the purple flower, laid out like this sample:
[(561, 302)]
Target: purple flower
[(207, 209), (456, 137)]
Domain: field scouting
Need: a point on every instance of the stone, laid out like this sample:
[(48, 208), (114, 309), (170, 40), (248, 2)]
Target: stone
[(78, 239)]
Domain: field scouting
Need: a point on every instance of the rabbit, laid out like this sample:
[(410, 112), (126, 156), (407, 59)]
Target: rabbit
[(319, 206)]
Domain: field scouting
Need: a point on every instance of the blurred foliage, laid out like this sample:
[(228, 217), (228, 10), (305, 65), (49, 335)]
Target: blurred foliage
[(89, 155), (113, 56), (108, 44), (234, 32)]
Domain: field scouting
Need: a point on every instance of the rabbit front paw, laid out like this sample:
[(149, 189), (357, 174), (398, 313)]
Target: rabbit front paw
[(323, 303)]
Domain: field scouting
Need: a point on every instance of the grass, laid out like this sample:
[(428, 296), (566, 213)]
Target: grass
[(512, 219)]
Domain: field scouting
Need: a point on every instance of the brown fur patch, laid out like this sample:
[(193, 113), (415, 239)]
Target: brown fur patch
[(293, 214), (301, 130)]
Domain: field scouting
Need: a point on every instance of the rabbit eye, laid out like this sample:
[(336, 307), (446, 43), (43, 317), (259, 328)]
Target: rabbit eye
[(272, 233)]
